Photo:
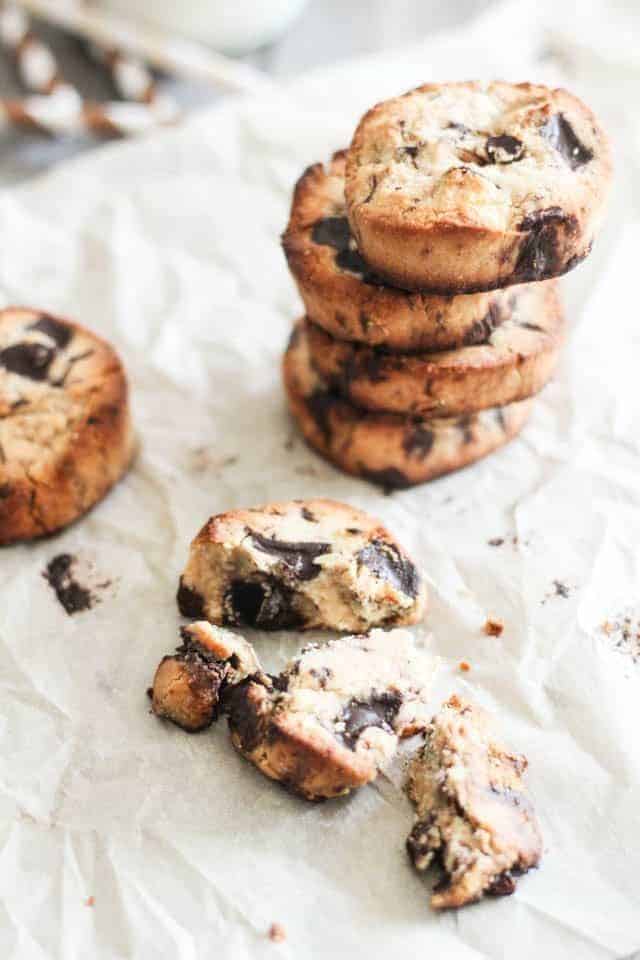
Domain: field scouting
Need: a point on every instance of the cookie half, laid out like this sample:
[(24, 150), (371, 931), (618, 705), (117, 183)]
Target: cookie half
[(304, 564), (65, 427), (343, 296), (462, 187), (516, 360), (333, 718), (474, 816), (391, 450)]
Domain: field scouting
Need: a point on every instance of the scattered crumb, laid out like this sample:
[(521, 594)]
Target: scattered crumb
[(277, 933), (72, 595), (562, 590), (496, 542), (624, 633), (89, 902), (464, 666), (493, 628), (201, 459)]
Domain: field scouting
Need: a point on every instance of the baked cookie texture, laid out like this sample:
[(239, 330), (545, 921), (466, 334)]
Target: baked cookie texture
[(344, 297), (65, 428), (333, 718), (462, 187), (188, 685), (392, 450), (515, 361), (474, 816), (303, 564)]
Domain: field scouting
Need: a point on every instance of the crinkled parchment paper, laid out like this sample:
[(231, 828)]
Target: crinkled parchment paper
[(169, 247)]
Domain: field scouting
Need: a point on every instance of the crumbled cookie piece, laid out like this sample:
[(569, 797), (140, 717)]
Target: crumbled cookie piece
[(302, 564), (473, 814), (493, 628), (277, 933), (188, 685), (333, 717)]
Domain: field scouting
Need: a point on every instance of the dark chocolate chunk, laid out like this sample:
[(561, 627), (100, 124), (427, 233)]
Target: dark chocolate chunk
[(418, 845), (531, 326), (298, 557), (503, 885), (308, 515), (243, 719), (561, 135), (465, 424), (28, 359), (332, 232), (319, 405), (59, 332), (190, 602), (482, 329), (387, 563), (263, 602), (418, 441), (73, 597), (352, 261), (504, 149), (540, 254), (380, 710), (390, 478)]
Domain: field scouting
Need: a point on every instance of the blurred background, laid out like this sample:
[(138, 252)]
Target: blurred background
[(45, 46)]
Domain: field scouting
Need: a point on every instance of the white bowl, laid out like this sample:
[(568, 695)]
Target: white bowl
[(232, 26)]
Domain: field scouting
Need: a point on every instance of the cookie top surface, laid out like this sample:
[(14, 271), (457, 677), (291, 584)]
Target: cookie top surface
[(344, 296), (52, 372), (500, 159), (311, 563), (472, 807)]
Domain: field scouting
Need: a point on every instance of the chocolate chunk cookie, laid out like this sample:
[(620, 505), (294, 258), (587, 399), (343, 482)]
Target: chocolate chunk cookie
[(516, 360), (189, 684), (333, 717), (474, 816), (65, 429), (389, 449), (303, 564), (347, 300), (462, 187)]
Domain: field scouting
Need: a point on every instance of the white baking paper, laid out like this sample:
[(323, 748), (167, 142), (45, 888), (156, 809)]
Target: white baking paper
[(123, 837)]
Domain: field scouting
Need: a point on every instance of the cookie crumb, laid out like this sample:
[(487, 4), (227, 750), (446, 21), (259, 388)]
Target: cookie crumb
[(277, 933), (464, 666), (561, 589), (89, 902), (496, 541), (72, 596), (493, 628)]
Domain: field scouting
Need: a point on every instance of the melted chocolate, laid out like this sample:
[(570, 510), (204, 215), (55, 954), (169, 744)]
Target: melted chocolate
[(28, 359), (335, 232), (265, 603), (390, 478), (540, 253), (59, 332), (297, 556), (504, 149), (482, 329), (561, 135), (190, 602), (380, 710), (387, 563), (243, 719)]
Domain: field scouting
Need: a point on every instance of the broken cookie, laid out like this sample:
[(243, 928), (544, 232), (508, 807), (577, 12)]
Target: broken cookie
[(188, 685), (302, 564), (474, 816), (334, 716)]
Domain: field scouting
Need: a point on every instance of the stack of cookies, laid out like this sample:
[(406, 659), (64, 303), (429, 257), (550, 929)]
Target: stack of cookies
[(425, 256)]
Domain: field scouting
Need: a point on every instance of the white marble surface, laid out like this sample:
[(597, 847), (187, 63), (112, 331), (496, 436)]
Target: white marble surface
[(327, 31)]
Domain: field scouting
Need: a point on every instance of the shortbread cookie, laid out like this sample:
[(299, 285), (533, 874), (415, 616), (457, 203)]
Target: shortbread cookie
[(474, 816), (304, 564), (460, 187), (344, 297), (65, 430), (515, 362), (333, 717), (391, 450), (188, 685)]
